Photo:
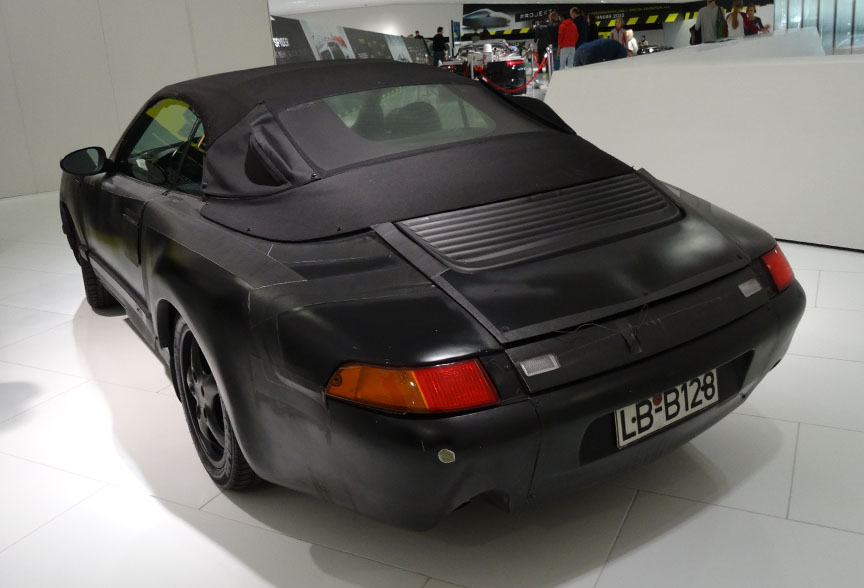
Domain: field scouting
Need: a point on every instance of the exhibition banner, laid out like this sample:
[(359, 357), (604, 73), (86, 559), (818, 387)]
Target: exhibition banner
[(289, 41), (418, 50), (520, 21), (327, 41), (368, 45), (297, 41)]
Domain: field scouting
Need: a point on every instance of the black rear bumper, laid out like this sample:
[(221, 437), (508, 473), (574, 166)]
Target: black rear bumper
[(388, 466)]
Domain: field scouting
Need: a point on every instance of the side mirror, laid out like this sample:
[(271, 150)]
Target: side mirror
[(85, 162)]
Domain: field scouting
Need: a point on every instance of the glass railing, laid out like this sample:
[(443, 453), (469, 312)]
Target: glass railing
[(840, 22)]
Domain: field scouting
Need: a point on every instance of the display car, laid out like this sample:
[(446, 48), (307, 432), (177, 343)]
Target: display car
[(648, 49), (499, 61), (356, 300), (485, 17)]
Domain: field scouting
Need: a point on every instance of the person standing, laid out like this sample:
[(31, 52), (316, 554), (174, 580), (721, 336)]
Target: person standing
[(568, 34), (581, 27), (752, 23), (439, 46), (709, 19), (543, 37), (593, 33), (735, 20), (546, 36), (618, 33), (632, 44)]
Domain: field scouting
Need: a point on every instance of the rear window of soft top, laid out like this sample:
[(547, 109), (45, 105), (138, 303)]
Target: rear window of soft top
[(352, 128)]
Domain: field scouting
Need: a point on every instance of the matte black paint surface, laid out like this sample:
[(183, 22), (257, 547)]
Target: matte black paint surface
[(628, 317)]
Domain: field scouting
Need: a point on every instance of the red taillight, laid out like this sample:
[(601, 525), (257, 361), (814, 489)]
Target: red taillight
[(514, 62), (779, 268), (443, 388)]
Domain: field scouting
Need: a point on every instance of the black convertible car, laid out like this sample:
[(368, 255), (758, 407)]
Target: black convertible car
[(344, 315)]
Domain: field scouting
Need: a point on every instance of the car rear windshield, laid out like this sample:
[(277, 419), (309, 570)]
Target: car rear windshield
[(348, 129)]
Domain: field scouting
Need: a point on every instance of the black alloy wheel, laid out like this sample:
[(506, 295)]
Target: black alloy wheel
[(206, 416)]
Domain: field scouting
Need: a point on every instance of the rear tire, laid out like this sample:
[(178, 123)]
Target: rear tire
[(206, 417)]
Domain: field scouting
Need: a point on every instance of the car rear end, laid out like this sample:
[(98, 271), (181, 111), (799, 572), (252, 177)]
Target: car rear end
[(626, 337), (614, 317), (597, 327)]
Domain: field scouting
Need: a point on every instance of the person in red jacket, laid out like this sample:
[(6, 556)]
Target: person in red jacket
[(568, 35)]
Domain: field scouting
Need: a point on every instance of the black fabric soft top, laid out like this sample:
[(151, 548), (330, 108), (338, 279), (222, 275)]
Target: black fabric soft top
[(457, 177), (256, 180), (222, 100)]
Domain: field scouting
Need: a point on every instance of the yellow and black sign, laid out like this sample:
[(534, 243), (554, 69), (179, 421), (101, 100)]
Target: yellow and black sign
[(520, 21)]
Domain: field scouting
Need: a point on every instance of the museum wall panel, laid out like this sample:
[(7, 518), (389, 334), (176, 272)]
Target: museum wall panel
[(392, 19), (148, 46), (774, 140), (74, 72), (246, 23), (61, 74), (15, 167)]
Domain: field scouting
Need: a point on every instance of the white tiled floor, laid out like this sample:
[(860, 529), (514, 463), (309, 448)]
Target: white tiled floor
[(100, 485)]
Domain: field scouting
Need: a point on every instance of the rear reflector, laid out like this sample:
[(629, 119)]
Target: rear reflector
[(779, 268), (443, 388)]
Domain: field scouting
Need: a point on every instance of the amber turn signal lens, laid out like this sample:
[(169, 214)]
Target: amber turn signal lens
[(443, 388), (779, 268)]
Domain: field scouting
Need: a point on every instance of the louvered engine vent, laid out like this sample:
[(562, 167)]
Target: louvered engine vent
[(497, 234)]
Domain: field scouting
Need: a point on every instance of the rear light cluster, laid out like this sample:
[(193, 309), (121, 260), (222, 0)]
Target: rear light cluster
[(514, 62), (779, 268), (444, 388)]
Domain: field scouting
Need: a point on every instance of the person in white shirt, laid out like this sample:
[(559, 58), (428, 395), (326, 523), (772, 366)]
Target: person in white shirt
[(735, 20), (632, 43)]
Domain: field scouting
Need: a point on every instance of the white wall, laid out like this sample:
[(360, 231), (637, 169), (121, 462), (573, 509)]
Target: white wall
[(392, 19), (74, 71), (775, 140)]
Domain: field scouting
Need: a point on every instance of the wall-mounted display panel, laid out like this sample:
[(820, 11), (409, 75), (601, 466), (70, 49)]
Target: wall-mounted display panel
[(296, 41)]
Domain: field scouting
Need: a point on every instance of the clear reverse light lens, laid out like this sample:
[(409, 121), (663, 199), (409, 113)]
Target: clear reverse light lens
[(540, 365)]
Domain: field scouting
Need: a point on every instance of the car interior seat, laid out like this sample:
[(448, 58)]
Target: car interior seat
[(416, 118)]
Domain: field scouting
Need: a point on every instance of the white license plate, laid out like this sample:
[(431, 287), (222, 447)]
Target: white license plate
[(661, 410)]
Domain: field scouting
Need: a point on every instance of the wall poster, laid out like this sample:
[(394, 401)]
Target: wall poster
[(296, 41)]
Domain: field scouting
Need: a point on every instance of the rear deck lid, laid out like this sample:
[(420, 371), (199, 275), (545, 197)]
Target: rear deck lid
[(552, 261)]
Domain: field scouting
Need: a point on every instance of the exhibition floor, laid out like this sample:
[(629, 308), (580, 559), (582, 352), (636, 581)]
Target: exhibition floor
[(101, 485)]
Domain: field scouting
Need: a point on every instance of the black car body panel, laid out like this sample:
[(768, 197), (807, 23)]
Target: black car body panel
[(638, 290)]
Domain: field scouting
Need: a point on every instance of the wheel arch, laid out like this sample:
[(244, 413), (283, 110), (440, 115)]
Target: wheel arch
[(71, 231), (164, 319)]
